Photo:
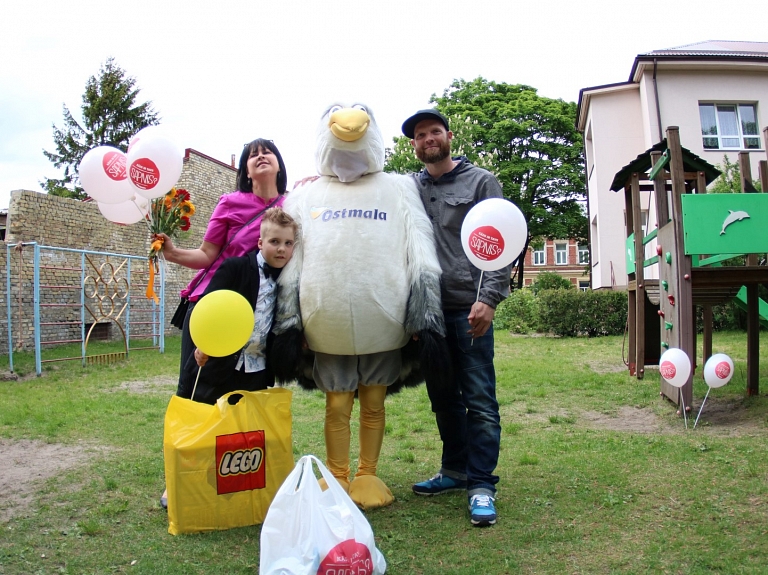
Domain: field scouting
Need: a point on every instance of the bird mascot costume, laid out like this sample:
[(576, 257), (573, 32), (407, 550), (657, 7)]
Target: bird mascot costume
[(364, 281)]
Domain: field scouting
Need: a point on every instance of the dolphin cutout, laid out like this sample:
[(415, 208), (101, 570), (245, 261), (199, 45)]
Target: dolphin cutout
[(733, 217)]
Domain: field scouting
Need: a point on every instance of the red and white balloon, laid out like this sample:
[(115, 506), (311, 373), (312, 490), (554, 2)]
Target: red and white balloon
[(104, 176), (154, 165), (718, 370), (493, 234), (126, 213), (675, 366)]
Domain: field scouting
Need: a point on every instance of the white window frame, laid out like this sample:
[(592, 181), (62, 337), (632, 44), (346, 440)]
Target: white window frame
[(559, 251), (584, 287), (539, 254), (742, 140), (583, 253)]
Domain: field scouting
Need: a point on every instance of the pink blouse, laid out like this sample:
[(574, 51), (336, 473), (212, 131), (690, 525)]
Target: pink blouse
[(231, 213)]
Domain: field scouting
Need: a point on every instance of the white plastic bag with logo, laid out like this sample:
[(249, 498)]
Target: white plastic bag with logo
[(308, 531)]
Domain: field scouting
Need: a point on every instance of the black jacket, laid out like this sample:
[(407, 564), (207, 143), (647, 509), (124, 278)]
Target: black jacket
[(241, 275)]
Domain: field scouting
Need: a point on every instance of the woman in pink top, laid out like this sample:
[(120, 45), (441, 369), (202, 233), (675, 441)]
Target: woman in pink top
[(261, 183)]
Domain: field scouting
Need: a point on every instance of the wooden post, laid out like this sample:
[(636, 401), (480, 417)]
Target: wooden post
[(762, 167), (684, 303), (632, 318), (707, 336), (753, 340), (662, 214), (660, 193), (701, 183), (745, 175), (637, 229)]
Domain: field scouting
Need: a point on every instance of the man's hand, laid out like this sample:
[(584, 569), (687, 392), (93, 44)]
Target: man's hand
[(200, 357), (480, 318)]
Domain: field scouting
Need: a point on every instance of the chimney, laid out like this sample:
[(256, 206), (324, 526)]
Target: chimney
[(232, 161)]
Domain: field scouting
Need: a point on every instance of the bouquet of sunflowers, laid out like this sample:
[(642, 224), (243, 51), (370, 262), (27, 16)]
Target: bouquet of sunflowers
[(168, 214)]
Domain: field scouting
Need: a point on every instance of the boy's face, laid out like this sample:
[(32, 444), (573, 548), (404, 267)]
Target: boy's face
[(276, 245)]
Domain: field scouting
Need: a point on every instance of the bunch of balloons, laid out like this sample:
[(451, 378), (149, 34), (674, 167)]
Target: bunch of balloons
[(124, 183), (675, 368)]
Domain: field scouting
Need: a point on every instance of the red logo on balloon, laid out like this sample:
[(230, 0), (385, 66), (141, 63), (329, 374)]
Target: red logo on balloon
[(144, 174), (114, 165), (722, 370), (667, 370), (486, 243), (348, 557)]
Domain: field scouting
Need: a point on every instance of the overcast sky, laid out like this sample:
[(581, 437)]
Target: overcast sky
[(223, 73)]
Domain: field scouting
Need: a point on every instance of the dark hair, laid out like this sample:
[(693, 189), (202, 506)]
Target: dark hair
[(244, 183)]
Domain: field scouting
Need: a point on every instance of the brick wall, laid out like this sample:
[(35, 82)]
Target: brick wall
[(66, 223), (573, 271)]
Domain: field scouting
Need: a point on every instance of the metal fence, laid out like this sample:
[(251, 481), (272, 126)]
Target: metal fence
[(77, 296)]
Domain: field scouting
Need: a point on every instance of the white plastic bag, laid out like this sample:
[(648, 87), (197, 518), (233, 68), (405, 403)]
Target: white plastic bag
[(308, 531)]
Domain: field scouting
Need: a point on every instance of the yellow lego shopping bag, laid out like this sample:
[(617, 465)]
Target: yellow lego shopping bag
[(225, 462)]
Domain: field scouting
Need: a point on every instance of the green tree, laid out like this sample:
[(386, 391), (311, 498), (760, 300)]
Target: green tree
[(528, 141), (550, 280), (729, 181), (110, 116)]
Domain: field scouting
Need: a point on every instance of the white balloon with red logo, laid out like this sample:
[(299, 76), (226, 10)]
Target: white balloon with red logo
[(126, 213), (493, 234), (154, 165), (147, 132), (675, 366), (103, 175), (718, 370)]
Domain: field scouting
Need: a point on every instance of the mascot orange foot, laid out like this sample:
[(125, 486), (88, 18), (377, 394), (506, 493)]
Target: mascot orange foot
[(366, 489)]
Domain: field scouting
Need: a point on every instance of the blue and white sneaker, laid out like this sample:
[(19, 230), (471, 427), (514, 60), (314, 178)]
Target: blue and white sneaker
[(439, 484), (482, 511)]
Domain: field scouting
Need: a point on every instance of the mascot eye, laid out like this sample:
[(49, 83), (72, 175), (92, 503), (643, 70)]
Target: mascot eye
[(334, 109), (360, 107)]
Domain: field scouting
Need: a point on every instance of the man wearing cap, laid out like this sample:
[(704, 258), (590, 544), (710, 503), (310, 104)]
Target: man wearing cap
[(468, 420)]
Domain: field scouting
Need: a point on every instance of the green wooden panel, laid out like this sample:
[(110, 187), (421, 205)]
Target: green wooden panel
[(629, 252), (725, 223)]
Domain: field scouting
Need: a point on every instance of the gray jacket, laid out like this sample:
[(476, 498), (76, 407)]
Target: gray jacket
[(447, 200)]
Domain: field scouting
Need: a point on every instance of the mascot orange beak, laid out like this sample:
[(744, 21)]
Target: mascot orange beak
[(349, 124)]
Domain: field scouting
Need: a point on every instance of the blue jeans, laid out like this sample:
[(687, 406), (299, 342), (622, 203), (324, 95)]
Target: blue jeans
[(468, 421)]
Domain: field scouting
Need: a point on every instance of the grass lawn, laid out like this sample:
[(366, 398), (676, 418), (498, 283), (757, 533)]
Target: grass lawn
[(598, 473)]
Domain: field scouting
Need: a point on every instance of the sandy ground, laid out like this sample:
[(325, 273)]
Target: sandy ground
[(28, 463)]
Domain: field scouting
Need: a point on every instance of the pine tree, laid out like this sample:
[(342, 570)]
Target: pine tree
[(110, 117)]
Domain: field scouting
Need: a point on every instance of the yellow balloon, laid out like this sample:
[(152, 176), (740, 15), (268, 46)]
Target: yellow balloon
[(221, 323)]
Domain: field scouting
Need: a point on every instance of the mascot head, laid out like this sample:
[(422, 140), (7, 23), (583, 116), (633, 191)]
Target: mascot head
[(349, 143)]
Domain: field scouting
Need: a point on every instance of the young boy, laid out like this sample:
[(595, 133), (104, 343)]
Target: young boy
[(254, 276)]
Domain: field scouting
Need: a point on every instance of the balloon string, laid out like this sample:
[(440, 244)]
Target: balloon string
[(682, 400), (146, 217), (192, 397), (477, 299), (702, 407)]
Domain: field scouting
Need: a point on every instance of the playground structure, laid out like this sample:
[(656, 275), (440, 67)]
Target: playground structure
[(696, 233), (76, 296)]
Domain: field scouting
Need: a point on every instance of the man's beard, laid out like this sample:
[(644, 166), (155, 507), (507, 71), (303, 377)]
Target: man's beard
[(433, 156)]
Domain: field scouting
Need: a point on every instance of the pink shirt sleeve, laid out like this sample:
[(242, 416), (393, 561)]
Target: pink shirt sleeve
[(231, 213)]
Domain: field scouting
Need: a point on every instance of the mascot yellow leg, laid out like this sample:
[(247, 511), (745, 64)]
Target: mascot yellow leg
[(338, 409), (367, 490)]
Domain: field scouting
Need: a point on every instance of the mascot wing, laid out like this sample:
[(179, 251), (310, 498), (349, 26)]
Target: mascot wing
[(424, 305), (286, 355)]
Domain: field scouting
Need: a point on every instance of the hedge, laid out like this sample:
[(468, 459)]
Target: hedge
[(564, 312)]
